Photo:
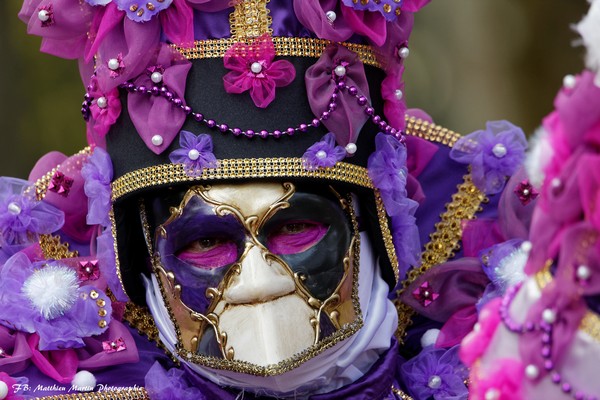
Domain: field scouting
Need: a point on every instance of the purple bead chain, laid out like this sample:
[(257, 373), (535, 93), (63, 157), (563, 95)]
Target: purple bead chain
[(547, 328), (224, 128)]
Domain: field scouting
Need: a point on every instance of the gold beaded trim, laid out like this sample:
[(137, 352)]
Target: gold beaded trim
[(284, 46), (166, 174), (466, 202), (432, 132), (54, 249), (41, 185), (250, 19), (590, 323), (387, 235), (401, 394), (120, 394)]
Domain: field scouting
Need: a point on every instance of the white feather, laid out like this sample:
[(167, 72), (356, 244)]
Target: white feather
[(52, 290), (539, 155), (510, 270), (589, 29)]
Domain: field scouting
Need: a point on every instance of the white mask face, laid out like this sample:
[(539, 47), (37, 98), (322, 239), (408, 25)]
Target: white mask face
[(258, 278)]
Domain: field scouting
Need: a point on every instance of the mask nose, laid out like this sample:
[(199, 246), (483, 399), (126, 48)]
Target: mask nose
[(260, 279)]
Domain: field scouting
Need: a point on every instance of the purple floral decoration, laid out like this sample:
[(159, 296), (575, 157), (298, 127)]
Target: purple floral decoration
[(388, 171), (61, 314), (390, 9), (98, 174), (171, 384), (436, 373), (195, 153), (142, 11), (323, 154), (22, 217), (494, 154)]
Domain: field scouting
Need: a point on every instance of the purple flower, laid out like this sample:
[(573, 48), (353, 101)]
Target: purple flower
[(493, 153), (405, 234), (387, 170), (61, 313), (390, 9), (436, 373), (141, 11), (98, 174), (22, 217), (171, 384), (195, 153), (323, 154)]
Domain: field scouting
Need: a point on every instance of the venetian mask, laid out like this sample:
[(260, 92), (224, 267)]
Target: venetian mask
[(256, 277)]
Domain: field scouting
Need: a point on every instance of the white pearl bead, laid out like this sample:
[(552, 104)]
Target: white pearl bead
[(43, 15), (321, 154), (256, 67), (531, 371), (434, 382), (526, 246), (399, 95), (569, 81), (113, 64), (193, 154), (102, 102), (157, 140), (403, 52), (556, 183), (331, 16), (477, 327), (549, 316), (526, 192), (351, 148), (584, 272), (14, 208), (156, 77), (3, 390), (340, 70), (492, 394), (499, 150)]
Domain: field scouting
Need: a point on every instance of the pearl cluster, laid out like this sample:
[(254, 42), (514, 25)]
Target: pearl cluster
[(546, 325), (159, 89)]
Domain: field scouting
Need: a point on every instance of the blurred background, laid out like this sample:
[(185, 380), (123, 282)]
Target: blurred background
[(470, 61)]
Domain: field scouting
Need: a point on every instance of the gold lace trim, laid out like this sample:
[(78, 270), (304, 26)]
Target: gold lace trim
[(387, 235), (590, 323), (401, 394), (250, 19), (167, 174), (120, 394), (466, 202), (284, 46)]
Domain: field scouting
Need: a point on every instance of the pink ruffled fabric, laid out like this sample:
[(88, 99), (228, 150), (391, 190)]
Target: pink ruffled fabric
[(92, 356), (60, 365), (457, 327), (312, 14), (151, 114), (370, 24), (102, 118), (505, 381), (16, 347), (476, 343), (348, 119), (261, 86), (394, 109)]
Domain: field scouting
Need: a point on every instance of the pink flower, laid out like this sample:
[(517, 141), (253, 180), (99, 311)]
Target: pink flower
[(253, 69), (104, 110), (503, 383)]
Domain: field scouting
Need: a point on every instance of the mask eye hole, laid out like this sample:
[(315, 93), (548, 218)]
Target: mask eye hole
[(293, 237), (209, 253)]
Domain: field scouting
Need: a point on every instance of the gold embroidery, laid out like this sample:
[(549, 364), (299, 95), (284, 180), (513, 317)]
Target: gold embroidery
[(238, 169), (134, 393), (54, 249), (250, 19), (433, 133), (284, 46), (444, 241)]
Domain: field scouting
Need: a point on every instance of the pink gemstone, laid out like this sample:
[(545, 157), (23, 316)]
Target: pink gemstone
[(114, 346)]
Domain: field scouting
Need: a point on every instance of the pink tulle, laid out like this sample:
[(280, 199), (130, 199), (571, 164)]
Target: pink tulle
[(261, 85), (394, 109), (457, 327), (93, 356), (102, 118), (505, 381), (313, 15), (16, 347), (370, 24), (60, 365), (475, 343), (178, 23), (589, 188)]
